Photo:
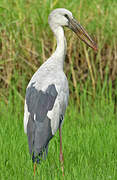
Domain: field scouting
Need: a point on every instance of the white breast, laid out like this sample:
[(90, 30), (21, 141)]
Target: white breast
[(59, 79)]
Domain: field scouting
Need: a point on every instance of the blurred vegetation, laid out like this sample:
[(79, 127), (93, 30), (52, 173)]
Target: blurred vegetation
[(89, 132), (26, 41)]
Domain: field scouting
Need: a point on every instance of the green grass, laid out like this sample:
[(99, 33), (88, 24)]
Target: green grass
[(90, 126), (89, 143)]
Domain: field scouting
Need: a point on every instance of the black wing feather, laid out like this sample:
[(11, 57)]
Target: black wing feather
[(39, 129)]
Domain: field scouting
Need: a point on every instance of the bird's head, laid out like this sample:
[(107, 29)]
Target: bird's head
[(63, 17)]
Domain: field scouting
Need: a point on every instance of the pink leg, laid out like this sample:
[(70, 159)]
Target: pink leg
[(61, 154)]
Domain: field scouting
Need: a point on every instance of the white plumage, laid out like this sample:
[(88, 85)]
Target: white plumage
[(47, 92)]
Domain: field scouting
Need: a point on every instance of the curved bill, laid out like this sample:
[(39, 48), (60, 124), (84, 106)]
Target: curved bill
[(81, 33)]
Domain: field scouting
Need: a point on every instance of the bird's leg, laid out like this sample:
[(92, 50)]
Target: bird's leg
[(61, 154), (34, 168)]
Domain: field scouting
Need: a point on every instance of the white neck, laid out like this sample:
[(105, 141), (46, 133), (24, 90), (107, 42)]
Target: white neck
[(59, 55)]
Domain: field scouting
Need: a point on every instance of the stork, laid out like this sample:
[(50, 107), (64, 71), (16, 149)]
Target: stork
[(47, 92)]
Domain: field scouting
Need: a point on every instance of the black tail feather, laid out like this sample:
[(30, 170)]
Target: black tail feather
[(42, 155), (36, 159)]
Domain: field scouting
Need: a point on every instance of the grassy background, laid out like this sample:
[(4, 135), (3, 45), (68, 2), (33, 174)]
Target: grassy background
[(89, 131), (89, 143)]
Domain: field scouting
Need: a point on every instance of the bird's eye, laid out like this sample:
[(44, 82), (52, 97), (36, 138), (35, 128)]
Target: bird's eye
[(66, 16)]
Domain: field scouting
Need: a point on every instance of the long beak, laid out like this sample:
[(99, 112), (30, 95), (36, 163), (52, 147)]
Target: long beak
[(81, 33)]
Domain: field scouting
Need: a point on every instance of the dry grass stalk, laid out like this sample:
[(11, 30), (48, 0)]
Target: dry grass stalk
[(114, 71), (43, 51), (72, 70), (90, 69)]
